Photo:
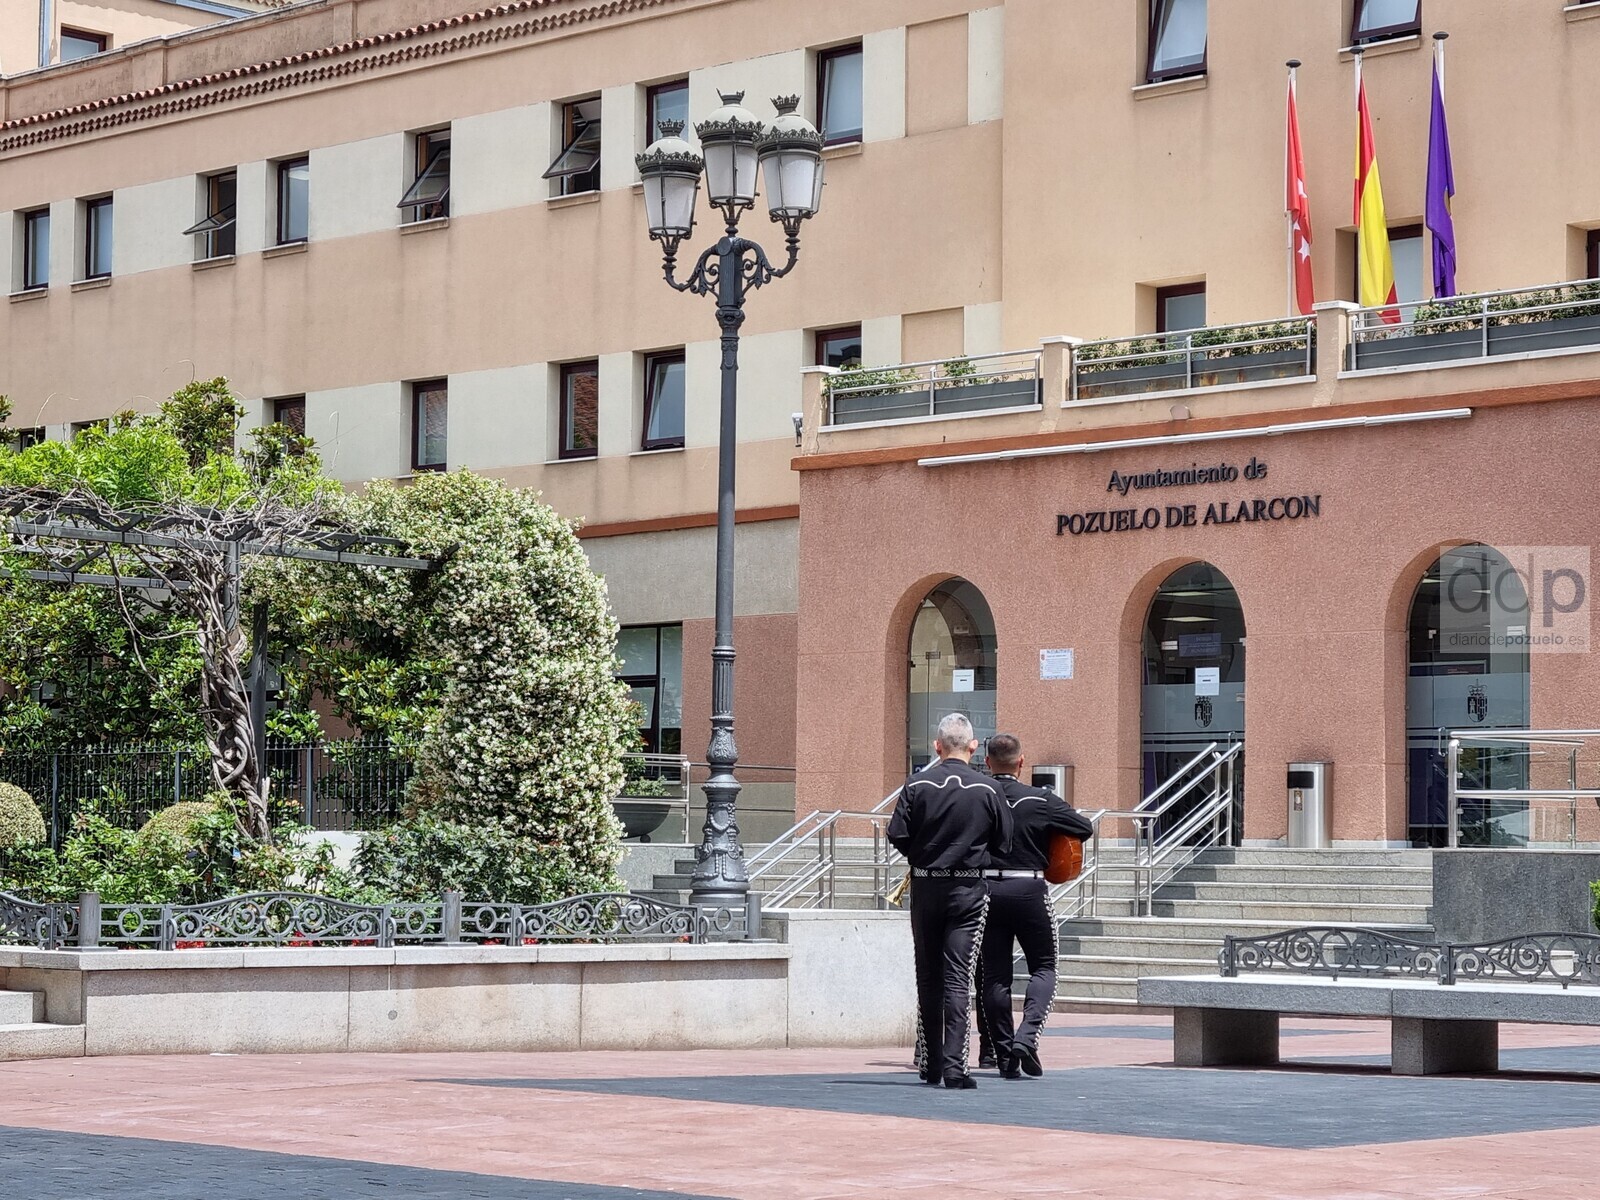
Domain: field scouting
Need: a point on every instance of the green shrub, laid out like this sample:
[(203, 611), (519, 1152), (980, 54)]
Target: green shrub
[(421, 858), (179, 821), (1595, 888), (21, 823)]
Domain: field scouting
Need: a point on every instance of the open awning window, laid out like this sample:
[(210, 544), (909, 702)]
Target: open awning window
[(213, 222), (429, 192), (580, 150)]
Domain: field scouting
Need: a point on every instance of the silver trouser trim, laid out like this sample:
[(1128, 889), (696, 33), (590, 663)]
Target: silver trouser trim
[(972, 970)]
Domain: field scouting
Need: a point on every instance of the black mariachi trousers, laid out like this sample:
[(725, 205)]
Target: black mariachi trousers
[(1019, 910), (946, 925)]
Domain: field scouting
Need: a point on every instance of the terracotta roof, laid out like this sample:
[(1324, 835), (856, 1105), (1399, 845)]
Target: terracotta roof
[(577, 14)]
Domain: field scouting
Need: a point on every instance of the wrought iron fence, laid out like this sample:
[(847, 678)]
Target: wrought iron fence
[(1564, 958), (298, 919), (348, 784)]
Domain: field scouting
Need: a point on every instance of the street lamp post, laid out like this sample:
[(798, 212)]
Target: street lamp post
[(789, 156)]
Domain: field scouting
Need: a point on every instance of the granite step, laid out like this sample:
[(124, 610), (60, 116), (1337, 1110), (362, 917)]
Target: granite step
[(38, 1040)]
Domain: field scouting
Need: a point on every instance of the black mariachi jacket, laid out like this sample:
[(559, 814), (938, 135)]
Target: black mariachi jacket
[(1038, 815), (950, 817)]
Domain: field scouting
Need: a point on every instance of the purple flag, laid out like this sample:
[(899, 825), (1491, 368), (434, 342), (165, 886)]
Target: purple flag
[(1441, 186)]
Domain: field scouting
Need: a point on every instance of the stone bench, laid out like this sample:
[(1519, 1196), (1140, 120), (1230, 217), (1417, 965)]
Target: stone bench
[(1221, 1021)]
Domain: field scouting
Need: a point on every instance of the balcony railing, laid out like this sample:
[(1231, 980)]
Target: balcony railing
[(1563, 316), (941, 388), (1217, 356)]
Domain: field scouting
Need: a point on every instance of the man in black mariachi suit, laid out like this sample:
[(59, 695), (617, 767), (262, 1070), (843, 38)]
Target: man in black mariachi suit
[(947, 822), (1020, 910)]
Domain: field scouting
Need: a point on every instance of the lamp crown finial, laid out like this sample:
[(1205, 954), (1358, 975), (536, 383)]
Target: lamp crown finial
[(731, 97), (785, 104), (669, 127)]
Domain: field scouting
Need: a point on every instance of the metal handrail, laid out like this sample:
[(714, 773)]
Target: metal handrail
[(1020, 366), (1151, 850), (1573, 739), (1370, 318), (1180, 348), (914, 384)]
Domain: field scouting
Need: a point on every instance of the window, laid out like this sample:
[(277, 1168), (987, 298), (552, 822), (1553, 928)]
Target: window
[(290, 411), (1408, 250), (1374, 20), (429, 410), (665, 102), (36, 249), (1593, 254), (652, 667), (79, 428), (97, 238), (22, 439), (1177, 39), (1180, 307), (577, 168), (839, 347), (839, 94), (428, 197), (294, 201), (663, 401), (216, 229), (580, 410), (80, 43)]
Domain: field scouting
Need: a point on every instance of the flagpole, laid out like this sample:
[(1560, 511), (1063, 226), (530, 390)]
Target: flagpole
[(1438, 58), (1288, 217), (1433, 235), (1356, 54)]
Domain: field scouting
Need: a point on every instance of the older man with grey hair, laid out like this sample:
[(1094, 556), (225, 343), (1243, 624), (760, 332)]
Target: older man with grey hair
[(946, 822)]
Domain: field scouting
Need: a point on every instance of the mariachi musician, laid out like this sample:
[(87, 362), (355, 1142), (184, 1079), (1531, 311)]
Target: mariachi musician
[(1020, 909)]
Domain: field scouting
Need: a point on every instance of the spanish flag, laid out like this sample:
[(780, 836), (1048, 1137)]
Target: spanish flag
[(1375, 268)]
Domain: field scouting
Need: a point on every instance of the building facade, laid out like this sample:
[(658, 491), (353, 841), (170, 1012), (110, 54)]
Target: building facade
[(40, 33), (416, 232)]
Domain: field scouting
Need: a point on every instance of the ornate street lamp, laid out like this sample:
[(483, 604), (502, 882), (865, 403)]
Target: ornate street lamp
[(789, 154)]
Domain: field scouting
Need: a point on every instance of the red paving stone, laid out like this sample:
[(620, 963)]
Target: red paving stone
[(394, 1109)]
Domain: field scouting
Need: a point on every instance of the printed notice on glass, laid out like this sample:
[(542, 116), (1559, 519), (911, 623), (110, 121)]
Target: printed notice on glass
[(1207, 681), (961, 679), (1055, 664)]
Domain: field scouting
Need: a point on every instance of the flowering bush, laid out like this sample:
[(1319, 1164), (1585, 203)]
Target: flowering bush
[(21, 823)]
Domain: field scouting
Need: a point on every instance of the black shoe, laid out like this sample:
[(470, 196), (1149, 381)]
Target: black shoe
[(1010, 1069), (961, 1083), (929, 1076), (986, 1061), (1028, 1057)]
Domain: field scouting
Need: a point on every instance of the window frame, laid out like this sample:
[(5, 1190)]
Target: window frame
[(824, 59), (431, 152), (282, 403), (574, 130), (1154, 10), (97, 237), (220, 218), (25, 439), (419, 390), (651, 361), (285, 166), (32, 280), (651, 132), (656, 681), (822, 336), (102, 42), (1383, 33), (586, 366), (1163, 294), (1592, 253)]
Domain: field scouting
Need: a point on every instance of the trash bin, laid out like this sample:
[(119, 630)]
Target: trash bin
[(1057, 778), (1310, 785)]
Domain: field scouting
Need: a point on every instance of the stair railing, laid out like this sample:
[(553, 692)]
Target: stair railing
[(1159, 854), (802, 865)]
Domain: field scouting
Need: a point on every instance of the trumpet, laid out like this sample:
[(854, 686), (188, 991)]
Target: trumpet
[(897, 894)]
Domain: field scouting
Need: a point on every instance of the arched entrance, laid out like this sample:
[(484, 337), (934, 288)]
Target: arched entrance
[(1193, 679), (950, 667), (1468, 669)]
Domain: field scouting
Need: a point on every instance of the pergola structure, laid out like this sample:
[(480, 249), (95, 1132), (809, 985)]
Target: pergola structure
[(178, 556)]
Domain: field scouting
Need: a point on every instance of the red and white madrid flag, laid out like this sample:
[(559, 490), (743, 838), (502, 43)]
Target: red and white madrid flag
[(1298, 207)]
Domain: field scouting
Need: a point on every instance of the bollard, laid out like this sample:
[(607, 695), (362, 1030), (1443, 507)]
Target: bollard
[(452, 918), (752, 916), (89, 921)]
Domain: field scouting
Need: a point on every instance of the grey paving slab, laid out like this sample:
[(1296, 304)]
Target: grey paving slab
[(1301, 1110), (1159, 1033), (45, 1165), (1544, 1060)]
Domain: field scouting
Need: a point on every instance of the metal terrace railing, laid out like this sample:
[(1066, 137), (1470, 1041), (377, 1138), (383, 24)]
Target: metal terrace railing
[(1542, 811), (1557, 317), (1213, 357), (938, 388)]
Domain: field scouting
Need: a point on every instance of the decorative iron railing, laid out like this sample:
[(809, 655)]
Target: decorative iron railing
[(1213, 357), (298, 919), (1564, 958)]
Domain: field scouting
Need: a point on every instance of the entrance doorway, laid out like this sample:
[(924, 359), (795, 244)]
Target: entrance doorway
[(1468, 669), (1193, 680), (950, 667)]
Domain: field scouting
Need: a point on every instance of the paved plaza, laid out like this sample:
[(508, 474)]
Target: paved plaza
[(1111, 1118)]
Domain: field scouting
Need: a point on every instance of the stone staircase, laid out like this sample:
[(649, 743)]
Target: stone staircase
[(1242, 892), (852, 884), (24, 1033)]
